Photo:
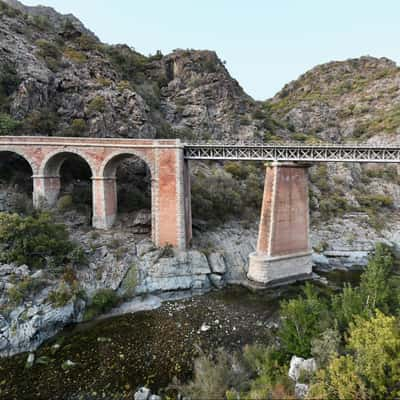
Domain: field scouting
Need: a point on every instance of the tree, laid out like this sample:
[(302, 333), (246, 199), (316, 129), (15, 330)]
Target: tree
[(374, 284), (34, 240), (371, 369), (302, 320)]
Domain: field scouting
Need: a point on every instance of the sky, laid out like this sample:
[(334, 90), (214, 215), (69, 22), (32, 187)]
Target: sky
[(265, 43)]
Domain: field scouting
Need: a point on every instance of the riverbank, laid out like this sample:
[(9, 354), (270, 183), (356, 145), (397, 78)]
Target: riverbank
[(110, 358)]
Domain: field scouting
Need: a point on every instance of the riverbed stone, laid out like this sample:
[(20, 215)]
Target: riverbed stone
[(142, 394)]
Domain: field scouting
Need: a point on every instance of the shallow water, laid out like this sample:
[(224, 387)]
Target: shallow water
[(113, 357)]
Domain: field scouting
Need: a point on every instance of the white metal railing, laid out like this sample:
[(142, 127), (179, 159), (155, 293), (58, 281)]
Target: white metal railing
[(292, 152)]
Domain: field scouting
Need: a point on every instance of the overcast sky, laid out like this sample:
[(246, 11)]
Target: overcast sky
[(266, 43)]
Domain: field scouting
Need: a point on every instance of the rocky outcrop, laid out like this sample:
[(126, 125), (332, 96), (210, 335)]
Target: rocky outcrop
[(69, 83)]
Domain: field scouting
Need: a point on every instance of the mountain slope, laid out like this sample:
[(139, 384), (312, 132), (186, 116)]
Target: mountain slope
[(352, 100), (66, 82)]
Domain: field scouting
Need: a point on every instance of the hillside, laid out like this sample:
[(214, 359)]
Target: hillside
[(352, 100), (57, 78)]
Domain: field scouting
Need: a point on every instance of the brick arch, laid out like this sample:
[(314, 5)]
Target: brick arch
[(53, 161), (32, 164), (109, 165), (107, 175)]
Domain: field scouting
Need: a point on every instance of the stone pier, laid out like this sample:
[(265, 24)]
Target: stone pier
[(283, 250)]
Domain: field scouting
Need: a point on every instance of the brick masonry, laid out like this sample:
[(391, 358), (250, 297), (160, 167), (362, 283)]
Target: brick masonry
[(283, 249), (163, 157)]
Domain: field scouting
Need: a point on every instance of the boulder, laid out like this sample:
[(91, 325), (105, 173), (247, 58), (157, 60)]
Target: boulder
[(142, 394), (217, 263), (299, 364), (301, 390), (217, 280)]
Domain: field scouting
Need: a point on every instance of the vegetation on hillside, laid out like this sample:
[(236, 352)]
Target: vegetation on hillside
[(354, 336)]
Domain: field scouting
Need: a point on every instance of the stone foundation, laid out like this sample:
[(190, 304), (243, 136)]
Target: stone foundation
[(267, 269)]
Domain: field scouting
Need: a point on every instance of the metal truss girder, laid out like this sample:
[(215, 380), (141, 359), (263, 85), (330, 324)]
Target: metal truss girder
[(318, 153)]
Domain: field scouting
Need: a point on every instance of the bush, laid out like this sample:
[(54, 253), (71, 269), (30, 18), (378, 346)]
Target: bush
[(303, 319), (103, 301), (50, 53), (326, 346), (213, 378), (64, 202), (8, 125), (9, 82), (19, 292), (44, 122), (34, 240), (97, 104), (77, 128), (130, 64), (61, 296), (374, 201), (371, 369), (374, 283), (75, 55)]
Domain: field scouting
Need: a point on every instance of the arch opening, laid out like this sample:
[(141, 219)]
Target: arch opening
[(133, 192), (16, 184), (75, 184)]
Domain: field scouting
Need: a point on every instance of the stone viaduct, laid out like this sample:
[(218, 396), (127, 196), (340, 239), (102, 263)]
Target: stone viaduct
[(283, 250)]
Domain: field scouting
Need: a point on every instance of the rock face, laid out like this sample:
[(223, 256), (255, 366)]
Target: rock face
[(68, 83)]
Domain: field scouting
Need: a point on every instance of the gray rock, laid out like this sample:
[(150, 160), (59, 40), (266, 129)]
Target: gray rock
[(155, 397), (30, 360), (298, 364), (144, 247), (217, 280), (301, 390), (217, 263), (142, 394)]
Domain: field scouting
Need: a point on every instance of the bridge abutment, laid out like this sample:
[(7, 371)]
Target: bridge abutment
[(283, 250)]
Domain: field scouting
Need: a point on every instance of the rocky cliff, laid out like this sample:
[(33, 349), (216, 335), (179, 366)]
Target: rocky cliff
[(57, 78)]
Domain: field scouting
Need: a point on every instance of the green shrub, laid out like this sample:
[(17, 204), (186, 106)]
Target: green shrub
[(97, 104), (61, 296), (34, 240), (374, 201), (26, 287), (40, 21), (130, 64), (9, 82), (77, 128), (102, 301), (130, 281), (300, 137), (44, 122), (8, 125), (372, 367), (303, 319), (50, 53), (213, 378), (326, 346), (86, 42), (75, 55), (374, 284), (64, 202)]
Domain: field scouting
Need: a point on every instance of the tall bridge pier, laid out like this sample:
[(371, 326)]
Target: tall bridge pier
[(283, 249)]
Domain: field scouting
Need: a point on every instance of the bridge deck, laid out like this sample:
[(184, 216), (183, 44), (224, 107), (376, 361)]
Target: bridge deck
[(228, 151), (293, 152)]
